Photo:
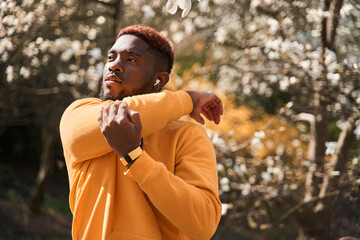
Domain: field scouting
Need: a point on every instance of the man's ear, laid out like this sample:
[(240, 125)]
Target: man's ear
[(161, 80)]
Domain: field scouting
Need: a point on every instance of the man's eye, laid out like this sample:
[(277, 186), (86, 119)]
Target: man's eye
[(131, 59)]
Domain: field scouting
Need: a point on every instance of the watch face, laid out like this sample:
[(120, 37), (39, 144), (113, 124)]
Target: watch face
[(135, 153), (131, 156)]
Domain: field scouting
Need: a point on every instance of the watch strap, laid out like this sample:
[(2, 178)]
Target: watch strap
[(133, 155)]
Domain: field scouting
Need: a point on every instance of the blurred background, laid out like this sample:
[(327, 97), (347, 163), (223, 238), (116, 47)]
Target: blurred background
[(288, 146)]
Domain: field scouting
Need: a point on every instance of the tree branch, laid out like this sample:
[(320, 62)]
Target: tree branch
[(332, 23), (338, 160), (306, 117), (303, 204)]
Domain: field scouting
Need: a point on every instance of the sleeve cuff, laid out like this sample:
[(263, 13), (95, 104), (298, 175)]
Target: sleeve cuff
[(142, 169), (185, 101)]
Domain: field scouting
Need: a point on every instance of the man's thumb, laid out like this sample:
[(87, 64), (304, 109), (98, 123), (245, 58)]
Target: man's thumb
[(198, 118)]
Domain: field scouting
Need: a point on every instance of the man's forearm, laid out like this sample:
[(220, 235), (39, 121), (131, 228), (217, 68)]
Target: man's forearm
[(156, 110), (80, 131)]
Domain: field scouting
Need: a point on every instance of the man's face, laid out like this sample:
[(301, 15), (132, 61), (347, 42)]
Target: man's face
[(129, 69)]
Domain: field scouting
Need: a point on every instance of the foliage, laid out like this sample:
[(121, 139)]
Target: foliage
[(283, 54)]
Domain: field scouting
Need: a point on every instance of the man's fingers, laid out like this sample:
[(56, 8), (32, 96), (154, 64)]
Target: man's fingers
[(207, 104), (123, 111), (101, 118), (217, 103), (100, 115), (220, 106), (215, 109), (135, 118), (113, 110), (207, 112), (217, 119)]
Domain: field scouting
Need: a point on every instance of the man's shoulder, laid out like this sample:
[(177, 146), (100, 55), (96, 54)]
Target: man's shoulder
[(79, 106), (84, 101), (184, 127), (180, 125)]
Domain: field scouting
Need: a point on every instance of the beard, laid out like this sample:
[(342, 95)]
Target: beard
[(124, 93)]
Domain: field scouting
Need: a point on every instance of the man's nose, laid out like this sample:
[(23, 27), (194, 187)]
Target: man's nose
[(116, 66)]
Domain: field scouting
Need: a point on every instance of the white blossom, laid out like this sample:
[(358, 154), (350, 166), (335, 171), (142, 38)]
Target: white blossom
[(316, 15), (333, 77), (172, 5), (220, 167), (6, 43), (66, 55), (204, 6), (61, 77), (178, 37), (100, 20), (189, 26), (280, 149), (148, 11), (245, 189), (266, 176), (259, 134), (91, 35), (10, 74), (274, 25), (346, 9), (27, 3), (96, 53), (220, 34), (225, 207), (25, 72), (330, 148)]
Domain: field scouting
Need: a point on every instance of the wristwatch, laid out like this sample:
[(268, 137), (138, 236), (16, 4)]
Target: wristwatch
[(133, 155)]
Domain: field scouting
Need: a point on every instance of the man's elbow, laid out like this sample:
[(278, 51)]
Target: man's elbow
[(214, 221), (207, 227)]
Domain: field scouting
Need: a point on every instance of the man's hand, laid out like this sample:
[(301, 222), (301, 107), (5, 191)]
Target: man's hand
[(206, 103), (121, 127)]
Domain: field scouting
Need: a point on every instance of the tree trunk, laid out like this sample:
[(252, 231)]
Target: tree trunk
[(332, 23), (316, 220), (317, 149), (315, 225), (45, 169)]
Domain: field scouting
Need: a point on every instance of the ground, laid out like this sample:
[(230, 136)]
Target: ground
[(17, 224), (16, 221)]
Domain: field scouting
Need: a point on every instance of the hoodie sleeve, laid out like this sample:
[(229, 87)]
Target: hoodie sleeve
[(80, 132)]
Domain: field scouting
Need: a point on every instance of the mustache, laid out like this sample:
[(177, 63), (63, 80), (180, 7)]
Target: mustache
[(112, 75)]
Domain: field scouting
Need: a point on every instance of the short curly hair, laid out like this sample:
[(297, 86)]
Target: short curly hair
[(160, 45)]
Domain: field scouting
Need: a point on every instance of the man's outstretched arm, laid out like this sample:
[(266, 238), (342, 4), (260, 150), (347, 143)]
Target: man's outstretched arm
[(82, 138)]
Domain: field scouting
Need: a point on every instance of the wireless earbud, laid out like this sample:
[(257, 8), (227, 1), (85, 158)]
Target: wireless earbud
[(157, 82)]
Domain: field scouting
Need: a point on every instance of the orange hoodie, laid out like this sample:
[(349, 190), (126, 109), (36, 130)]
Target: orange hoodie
[(171, 190)]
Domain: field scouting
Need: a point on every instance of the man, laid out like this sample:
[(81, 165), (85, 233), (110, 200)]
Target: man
[(135, 171)]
